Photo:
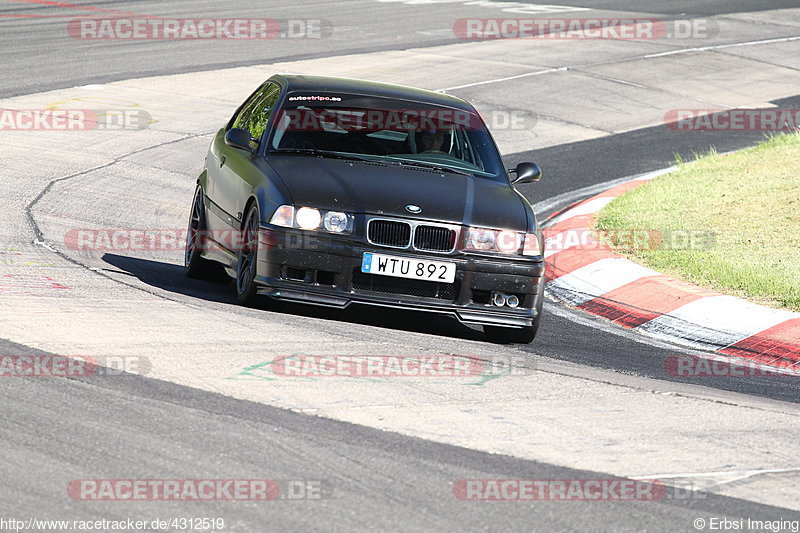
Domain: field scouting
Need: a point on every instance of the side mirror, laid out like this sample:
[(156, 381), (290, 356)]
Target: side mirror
[(526, 173), (238, 138)]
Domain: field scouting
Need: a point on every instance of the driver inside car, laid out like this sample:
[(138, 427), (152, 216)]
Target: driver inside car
[(430, 142)]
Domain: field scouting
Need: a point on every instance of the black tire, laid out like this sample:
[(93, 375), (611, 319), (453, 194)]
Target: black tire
[(246, 288), (195, 265)]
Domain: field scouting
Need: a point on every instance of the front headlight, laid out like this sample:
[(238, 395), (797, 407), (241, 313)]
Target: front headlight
[(336, 222), (492, 240), (480, 239), (308, 218), (311, 218)]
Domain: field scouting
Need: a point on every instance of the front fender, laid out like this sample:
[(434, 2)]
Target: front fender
[(202, 180)]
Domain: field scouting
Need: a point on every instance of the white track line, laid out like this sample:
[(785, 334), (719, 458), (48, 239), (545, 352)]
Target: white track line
[(507, 78), (633, 58), (722, 46), (743, 473)]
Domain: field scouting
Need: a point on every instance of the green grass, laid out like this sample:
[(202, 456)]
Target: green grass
[(748, 202)]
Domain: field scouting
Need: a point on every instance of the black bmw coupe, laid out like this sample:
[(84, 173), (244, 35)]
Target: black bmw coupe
[(334, 191)]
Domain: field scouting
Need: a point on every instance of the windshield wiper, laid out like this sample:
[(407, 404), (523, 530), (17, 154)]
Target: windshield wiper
[(320, 153), (375, 159), (437, 168)]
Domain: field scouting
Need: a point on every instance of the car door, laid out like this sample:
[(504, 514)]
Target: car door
[(235, 175)]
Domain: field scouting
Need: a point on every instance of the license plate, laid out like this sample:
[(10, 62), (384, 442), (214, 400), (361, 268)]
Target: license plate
[(408, 267)]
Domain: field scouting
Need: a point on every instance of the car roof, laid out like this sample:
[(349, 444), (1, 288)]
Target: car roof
[(346, 85)]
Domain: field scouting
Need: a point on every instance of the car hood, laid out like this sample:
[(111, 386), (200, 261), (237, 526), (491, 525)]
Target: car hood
[(373, 188)]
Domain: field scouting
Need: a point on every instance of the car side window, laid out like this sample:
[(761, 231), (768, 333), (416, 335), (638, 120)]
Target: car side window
[(255, 114)]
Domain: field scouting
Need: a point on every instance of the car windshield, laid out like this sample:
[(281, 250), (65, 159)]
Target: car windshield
[(388, 130)]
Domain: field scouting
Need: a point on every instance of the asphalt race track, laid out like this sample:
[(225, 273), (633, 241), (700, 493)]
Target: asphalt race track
[(585, 400), (38, 55)]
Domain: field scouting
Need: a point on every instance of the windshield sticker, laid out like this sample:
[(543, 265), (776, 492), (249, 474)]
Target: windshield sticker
[(315, 99)]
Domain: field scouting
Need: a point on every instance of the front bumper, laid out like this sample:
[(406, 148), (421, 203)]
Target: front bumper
[(324, 269)]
